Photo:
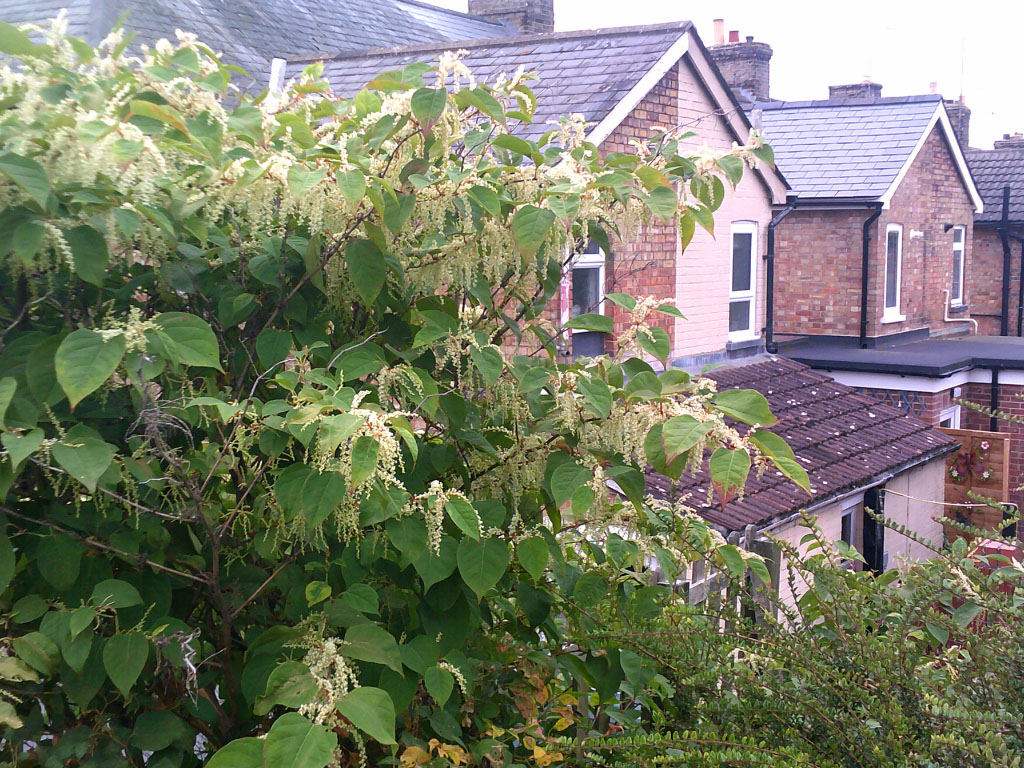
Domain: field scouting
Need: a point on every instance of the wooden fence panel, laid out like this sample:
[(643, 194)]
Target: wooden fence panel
[(981, 467)]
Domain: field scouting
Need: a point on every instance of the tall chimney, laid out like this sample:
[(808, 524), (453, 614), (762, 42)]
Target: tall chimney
[(960, 118), (1016, 141), (863, 90), (745, 66), (719, 31), (526, 15)]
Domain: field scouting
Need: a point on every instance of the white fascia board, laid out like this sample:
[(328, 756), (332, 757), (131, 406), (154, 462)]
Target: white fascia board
[(925, 384), (621, 111), (938, 118)]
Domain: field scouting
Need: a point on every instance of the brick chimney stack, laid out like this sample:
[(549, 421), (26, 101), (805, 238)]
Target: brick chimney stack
[(960, 118), (863, 90), (527, 15), (1016, 141), (746, 66)]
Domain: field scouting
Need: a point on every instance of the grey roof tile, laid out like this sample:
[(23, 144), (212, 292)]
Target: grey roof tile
[(585, 72), (992, 170), (842, 438), (845, 147), (249, 33)]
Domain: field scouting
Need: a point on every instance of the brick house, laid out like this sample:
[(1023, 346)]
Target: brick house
[(998, 233), (896, 272), (632, 83)]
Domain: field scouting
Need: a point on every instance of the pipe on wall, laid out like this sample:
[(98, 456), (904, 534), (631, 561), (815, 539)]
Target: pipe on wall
[(1004, 232), (864, 272), (769, 302), (993, 422)]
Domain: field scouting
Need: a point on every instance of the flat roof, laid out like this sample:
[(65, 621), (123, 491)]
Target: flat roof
[(932, 357)]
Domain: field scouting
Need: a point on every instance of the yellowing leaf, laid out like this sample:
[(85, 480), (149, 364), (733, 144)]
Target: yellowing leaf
[(414, 756)]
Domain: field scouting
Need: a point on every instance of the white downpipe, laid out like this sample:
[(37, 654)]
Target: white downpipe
[(949, 319)]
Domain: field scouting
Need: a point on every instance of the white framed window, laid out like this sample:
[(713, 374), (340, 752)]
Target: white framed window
[(956, 294), (950, 417), (743, 281), (893, 273), (586, 291), (851, 526)]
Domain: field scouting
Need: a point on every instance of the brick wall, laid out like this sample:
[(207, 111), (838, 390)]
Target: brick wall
[(986, 280), (643, 263), (931, 196), (818, 255), (817, 273)]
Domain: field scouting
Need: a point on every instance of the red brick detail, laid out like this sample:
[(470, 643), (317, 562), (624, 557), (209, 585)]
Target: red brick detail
[(643, 263), (986, 280)]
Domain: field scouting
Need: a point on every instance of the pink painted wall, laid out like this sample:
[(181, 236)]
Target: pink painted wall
[(703, 270)]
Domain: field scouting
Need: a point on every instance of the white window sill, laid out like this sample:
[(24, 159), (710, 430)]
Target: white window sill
[(892, 317), (743, 336), (956, 303)]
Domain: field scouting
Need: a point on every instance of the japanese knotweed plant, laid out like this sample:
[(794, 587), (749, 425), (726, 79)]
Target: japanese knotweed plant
[(273, 489)]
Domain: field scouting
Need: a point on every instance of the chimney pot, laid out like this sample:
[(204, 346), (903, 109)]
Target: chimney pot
[(864, 90), (933, 87), (719, 31), (745, 66), (527, 15), (1013, 141), (960, 118)]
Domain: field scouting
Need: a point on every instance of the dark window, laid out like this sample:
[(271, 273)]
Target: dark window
[(586, 290), (739, 315), (847, 528), (892, 269), (742, 245)]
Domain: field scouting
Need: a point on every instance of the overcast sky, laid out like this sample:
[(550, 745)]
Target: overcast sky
[(903, 44)]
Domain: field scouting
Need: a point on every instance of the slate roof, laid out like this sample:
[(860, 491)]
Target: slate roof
[(250, 33), (993, 169), (587, 72), (844, 440), (844, 148)]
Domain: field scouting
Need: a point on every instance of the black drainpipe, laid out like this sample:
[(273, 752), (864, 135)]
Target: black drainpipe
[(769, 302), (866, 246), (993, 422), (1004, 319)]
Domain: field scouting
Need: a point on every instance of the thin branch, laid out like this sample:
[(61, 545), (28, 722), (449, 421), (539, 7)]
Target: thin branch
[(90, 541)]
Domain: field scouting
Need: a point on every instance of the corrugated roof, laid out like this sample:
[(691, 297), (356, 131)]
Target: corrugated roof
[(992, 170), (251, 32), (844, 148), (586, 72), (841, 438)]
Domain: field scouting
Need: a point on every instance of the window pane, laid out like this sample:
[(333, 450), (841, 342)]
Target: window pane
[(587, 343), (739, 315), (846, 534), (586, 290), (592, 247), (892, 257), (742, 245), (958, 282), (958, 235)]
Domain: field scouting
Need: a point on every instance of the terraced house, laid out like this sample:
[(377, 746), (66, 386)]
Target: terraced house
[(632, 84)]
